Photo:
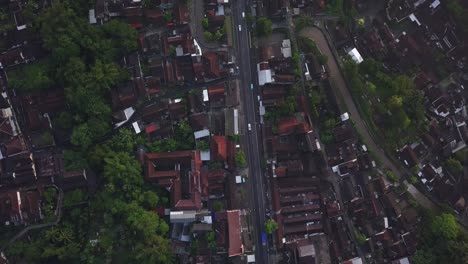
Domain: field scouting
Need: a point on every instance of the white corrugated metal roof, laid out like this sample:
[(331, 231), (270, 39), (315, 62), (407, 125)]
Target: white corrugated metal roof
[(201, 133), (355, 55)]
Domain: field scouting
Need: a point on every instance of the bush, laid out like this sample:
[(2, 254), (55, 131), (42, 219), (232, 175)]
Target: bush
[(203, 144), (218, 35), (205, 23), (64, 120), (211, 240), (413, 179), (462, 156), (250, 19), (454, 166), (360, 238), (217, 206), (270, 226), (31, 77), (234, 138), (208, 36), (322, 59), (391, 176), (335, 7), (167, 16), (303, 22), (240, 159), (307, 45), (264, 27), (215, 165)]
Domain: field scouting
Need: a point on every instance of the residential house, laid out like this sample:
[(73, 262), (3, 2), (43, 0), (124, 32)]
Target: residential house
[(227, 226), (179, 172)]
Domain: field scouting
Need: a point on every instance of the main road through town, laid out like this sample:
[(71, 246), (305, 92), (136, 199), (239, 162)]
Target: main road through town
[(252, 139)]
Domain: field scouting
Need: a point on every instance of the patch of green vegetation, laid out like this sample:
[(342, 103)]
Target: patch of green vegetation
[(401, 105), (218, 206), (360, 238), (454, 166), (31, 77), (183, 139), (441, 240), (264, 27), (302, 22), (270, 226), (335, 7), (459, 13), (205, 23), (391, 176), (240, 158)]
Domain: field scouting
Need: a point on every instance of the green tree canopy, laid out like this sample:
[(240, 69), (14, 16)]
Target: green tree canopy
[(124, 140), (270, 226), (241, 161), (74, 160), (31, 77), (454, 166), (123, 36), (123, 173), (303, 22), (264, 27), (445, 226)]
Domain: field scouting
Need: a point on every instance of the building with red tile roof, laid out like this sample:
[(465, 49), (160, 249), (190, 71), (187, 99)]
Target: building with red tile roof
[(179, 172), (216, 94), (228, 231), (212, 181), (273, 94), (178, 110), (31, 206), (154, 16), (181, 14), (218, 148), (211, 65), (10, 208)]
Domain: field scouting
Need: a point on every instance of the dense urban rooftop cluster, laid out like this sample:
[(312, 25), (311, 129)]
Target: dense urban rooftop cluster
[(127, 131)]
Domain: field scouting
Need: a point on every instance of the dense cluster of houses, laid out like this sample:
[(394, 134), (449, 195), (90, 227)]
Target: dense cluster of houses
[(308, 213), (432, 43), (203, 183), (429, 43), (206, 222), (382, 216), (29, 161)]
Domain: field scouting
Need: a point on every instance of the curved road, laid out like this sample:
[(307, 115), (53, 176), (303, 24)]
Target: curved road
[(340, 88)]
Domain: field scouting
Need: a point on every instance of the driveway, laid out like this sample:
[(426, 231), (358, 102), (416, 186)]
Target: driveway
[(340, 88)]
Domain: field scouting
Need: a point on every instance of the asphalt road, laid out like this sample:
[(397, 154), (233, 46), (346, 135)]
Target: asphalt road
[(252, 138), (340, 87)]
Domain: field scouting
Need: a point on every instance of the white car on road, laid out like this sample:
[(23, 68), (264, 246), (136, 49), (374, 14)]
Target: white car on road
[(240, 28), (249, 126)]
